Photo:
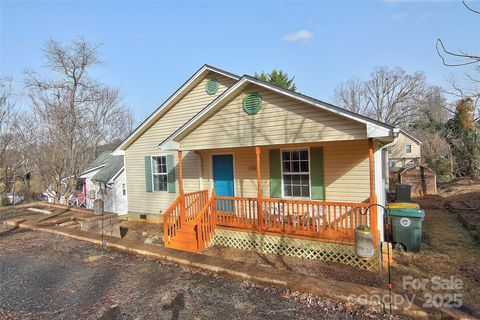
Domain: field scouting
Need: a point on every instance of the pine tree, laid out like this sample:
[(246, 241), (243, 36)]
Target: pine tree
[(278, 78)]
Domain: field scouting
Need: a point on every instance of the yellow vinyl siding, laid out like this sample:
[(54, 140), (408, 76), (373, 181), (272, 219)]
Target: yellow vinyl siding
[(345, 167), (398, 151), (140, 201), (281, 120)]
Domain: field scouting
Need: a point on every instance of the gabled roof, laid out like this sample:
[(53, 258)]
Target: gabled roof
[(107, 165), (109, 170), (374, 128), (411, 137), (99, 162), (165, 106)]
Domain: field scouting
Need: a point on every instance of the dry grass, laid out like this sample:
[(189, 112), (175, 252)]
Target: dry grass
[(448, 249)]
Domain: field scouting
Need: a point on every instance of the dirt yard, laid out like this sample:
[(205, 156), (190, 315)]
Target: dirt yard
[(46, 276), (448, 249), (141, 231)]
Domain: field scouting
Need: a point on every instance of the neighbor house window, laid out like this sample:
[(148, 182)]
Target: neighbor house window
[(159, 173), (296, 173), (124, 189), (408, 148)]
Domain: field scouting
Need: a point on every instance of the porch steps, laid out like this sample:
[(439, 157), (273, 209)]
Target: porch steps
[(185, 238)]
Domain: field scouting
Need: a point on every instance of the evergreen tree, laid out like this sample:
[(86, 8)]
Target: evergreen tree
[(278, 78)]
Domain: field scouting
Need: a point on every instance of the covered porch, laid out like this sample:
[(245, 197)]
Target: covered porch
[(312, 211)]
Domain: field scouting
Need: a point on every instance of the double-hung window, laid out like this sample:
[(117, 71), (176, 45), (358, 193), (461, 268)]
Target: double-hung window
[(408, 148), (296, 173), (159, 173)]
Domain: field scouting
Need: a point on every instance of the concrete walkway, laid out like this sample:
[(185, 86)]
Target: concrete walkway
[(343, 291)]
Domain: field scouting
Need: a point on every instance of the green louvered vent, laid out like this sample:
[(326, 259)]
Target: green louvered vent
[(252, 103), (211, 86)]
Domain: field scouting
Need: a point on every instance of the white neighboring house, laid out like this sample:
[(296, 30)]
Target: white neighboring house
[(105, 173)]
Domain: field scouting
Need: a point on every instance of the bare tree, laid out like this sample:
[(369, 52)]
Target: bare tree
[(8, 125), (71, 114), (389, 95), (107, 118), (469, 86), (351, 95)]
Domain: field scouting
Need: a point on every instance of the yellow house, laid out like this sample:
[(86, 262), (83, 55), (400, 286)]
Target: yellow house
[(407, 151), (239, 154)]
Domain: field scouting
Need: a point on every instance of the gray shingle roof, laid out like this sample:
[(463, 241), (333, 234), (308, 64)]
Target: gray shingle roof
[(102, 159), (111, 168)]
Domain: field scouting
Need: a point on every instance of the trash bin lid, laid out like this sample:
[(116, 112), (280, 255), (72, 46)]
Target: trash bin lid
[(403, 205), (406, 212)]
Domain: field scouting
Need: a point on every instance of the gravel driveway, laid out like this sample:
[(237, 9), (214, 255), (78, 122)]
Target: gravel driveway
[(53, 277)]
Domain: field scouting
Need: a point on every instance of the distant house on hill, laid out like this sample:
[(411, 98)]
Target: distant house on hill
[(406, 152)]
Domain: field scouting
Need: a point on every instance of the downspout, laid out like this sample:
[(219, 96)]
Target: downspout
[(385, 172)]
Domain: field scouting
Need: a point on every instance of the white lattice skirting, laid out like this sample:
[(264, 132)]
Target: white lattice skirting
[(298, 248)]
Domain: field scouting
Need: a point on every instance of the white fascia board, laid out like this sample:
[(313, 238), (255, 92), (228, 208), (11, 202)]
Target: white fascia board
[(118, 152), (92, 169), (192, 79), (116, 175)]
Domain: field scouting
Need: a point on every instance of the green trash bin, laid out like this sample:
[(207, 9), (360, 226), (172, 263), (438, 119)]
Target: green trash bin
[(407, 227)]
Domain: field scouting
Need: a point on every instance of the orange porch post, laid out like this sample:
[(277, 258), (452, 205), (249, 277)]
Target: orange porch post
[(183, 210), (259, 190), (373, 196)]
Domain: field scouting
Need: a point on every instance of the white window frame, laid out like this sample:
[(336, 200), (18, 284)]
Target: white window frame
[(124, 189), (408, 146), (309, 173), (158, 174)]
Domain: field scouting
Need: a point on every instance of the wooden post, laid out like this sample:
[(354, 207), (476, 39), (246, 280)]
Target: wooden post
[(373, 196), (259, 190), (183, 210)]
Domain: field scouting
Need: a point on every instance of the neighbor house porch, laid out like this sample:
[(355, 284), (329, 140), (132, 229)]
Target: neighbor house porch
[(317, 191)]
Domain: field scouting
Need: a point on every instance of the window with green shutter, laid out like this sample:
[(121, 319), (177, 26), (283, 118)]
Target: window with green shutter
[(296, 173)]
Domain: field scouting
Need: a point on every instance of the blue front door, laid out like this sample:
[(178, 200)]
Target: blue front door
[(223, 175), (223, 179)]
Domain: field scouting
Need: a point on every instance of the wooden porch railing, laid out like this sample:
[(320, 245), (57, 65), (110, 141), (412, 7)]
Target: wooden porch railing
[(194, 202), (196, 230), (314, 219), (334, 221), (205, 224), (171, 221)]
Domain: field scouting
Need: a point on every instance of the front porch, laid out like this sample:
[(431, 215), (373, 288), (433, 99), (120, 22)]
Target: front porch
[(191, 221)]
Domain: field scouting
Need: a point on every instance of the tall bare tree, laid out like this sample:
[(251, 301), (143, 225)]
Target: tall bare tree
[(469, 85), (8, 123), (71, 114), (389, 95)]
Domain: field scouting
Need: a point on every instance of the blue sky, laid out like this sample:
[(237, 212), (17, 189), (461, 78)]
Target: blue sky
[(151, 48)]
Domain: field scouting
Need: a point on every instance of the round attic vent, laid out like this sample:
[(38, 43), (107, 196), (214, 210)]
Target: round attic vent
[(211, 87), (252, 103)]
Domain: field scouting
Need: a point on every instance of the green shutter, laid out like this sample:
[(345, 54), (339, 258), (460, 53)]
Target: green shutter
[(148, 173), (171, 173), (275, 174), (316, 174)]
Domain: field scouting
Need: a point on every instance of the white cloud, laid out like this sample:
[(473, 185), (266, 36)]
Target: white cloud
[(300, 36), (398, 15)]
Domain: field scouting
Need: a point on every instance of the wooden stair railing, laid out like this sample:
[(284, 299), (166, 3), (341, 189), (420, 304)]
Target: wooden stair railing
[(171, 222), (205, 223), (195, 233)]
